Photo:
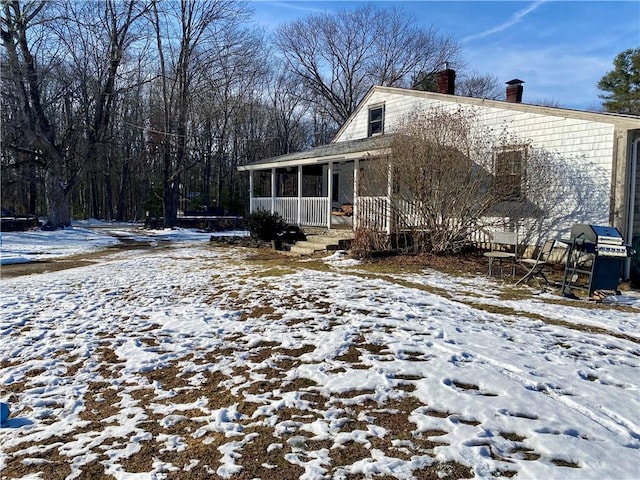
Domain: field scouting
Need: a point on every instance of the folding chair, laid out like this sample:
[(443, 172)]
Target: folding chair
[(504, 247), (536, 265)]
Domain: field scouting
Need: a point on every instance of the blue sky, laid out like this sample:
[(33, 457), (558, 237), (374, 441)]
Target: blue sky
[(560, 49)]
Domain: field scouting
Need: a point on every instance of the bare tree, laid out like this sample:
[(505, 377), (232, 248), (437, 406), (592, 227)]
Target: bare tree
[(186, 36), (235, 74), (31, 130), (63, 99), (546, 102), (475, 84), (288, 114), (440, 165), (452, 177), (99, 38), (338, 57)]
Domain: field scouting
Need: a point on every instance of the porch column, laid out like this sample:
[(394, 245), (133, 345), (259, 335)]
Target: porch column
[(273, 190), (250, 191), (299, 194), (329, 193), (389, 194), (356, 184)]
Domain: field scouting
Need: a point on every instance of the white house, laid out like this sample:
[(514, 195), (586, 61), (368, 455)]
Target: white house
[(310, 188)]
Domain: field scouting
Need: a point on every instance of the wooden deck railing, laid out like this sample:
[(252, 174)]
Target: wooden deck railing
[(313, 212), (373, 212)]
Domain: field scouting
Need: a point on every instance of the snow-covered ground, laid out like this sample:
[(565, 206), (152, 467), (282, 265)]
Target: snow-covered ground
[(83, 237), (198, 361)]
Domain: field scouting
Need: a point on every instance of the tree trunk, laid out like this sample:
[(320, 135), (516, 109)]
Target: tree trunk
[(58, 211), (206, 174), (108, 198), (33, 189), (122, 191), (171, 195)]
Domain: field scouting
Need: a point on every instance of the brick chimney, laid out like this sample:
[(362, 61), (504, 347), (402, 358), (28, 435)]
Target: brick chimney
[(446, 81), (514, 90)]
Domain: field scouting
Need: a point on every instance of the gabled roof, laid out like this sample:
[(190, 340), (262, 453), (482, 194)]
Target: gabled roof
[(379, 145), (622, 121), (337, 152)]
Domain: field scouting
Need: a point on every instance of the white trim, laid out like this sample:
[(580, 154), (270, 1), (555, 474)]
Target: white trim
[(273, 190), (389, 194), (356, 186), (299, 194), (329, 193), (375, 106), (632, 201), (314, 160)]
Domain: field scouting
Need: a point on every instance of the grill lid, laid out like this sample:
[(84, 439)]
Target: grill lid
[(599, 234)]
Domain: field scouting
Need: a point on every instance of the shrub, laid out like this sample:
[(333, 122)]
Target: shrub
[(265, 226), (368, 242)]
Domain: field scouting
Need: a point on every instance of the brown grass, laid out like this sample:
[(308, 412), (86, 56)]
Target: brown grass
[(259, 456)]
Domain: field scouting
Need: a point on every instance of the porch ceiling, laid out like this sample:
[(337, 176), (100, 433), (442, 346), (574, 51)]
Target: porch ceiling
[(333, 152)]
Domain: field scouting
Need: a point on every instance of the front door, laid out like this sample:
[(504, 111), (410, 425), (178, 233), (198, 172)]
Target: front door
[(342, 195)]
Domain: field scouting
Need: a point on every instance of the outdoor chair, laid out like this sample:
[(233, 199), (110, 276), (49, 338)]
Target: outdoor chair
[(536, 265), (504, 248)]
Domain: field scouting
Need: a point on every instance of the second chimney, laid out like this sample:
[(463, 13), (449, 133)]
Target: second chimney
[(514, 90), (446, 80)]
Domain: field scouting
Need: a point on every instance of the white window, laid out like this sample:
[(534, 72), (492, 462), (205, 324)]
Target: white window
[(376, 120)]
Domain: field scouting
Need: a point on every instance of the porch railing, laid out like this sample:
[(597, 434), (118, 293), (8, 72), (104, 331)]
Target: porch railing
[(373, 212), (287, 207), (313, 211), (262, 203)]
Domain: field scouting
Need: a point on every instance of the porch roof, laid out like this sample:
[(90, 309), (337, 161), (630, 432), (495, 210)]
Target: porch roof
[(333, 152)]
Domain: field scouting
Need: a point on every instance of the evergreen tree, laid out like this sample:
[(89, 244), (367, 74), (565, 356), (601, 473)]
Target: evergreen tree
[(623, 84)]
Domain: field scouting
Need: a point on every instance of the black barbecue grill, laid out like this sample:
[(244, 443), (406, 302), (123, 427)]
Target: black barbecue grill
[(594, 259)]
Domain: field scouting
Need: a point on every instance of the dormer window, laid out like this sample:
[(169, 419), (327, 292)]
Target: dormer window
[(376, 120)]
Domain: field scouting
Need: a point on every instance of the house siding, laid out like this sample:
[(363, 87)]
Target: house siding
[(566, 136), (586, 143), (591, 151)]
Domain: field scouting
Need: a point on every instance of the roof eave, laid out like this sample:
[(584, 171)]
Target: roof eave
[(315, 160)]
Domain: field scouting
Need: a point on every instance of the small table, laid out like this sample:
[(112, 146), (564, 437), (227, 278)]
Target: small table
[(501, 256)]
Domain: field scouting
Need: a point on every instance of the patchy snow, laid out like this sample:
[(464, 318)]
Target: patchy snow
[(37, 245), (196, 359), (87, 236), (340, 258)]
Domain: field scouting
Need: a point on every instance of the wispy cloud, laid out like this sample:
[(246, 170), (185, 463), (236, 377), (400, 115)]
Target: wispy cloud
[(515, 18), (298, 6)]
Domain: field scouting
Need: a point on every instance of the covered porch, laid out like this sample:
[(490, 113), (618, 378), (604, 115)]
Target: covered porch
[(322, 187)]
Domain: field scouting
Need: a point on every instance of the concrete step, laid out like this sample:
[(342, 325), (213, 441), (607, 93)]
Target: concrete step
[(298, 249), (320, 243), (321, 240)]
